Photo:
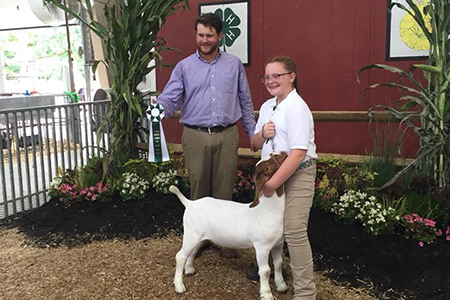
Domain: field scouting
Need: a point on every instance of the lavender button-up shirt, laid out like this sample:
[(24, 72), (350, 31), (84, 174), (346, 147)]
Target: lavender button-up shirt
[(209, 94)]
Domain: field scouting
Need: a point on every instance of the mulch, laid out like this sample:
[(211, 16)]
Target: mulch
[(392, 266)]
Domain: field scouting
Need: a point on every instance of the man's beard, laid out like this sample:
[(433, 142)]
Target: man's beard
[(211, 50)]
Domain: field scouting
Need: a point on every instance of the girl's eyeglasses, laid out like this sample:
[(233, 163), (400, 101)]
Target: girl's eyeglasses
[(266, 78)]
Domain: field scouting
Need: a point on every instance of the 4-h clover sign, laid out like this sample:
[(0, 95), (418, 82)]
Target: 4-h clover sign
[(230, 29), (234, 16)]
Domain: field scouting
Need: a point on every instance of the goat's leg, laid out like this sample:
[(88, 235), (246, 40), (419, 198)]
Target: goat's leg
[(277, 257), (181, 258), (262, 257), (189, 267), (186, 250)]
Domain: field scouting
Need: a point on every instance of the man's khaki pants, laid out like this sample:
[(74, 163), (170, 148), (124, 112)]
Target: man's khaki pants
[(211, 161), (299, 196)]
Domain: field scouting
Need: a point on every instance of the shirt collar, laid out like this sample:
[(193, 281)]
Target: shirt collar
[(274, 106), (219, 54)]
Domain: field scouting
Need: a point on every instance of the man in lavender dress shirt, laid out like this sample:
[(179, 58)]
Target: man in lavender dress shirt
[(210, 88)]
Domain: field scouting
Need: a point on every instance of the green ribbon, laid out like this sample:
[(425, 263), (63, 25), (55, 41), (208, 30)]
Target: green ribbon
[(156, 130), (74, 98), (156, 114)]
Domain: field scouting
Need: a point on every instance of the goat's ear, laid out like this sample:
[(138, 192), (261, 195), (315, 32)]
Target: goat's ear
[(255, 201), (280, 191), (282, 157), (259, 184)]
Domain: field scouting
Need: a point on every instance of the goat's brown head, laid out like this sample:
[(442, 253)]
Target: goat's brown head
[(264, 170)]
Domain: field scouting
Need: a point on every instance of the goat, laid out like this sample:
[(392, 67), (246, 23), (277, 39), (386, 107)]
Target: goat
[(239, 226)]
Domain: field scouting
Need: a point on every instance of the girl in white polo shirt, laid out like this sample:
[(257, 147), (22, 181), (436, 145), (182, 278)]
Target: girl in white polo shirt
[(285, 124)]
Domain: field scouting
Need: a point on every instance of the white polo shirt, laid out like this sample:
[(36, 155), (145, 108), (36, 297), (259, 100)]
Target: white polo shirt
[(294, 125)]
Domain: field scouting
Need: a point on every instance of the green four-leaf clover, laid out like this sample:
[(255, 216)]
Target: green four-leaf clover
[(230, 30)]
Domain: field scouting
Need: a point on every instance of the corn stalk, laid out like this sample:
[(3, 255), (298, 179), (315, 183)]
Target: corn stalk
[(130, 42), (431, 100)]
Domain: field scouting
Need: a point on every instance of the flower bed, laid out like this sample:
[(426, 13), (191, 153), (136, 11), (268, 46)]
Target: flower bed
[(394, 265)]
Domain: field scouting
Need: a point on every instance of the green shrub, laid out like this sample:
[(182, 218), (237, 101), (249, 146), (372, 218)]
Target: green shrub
[(90, 174), (335, 177), (424, 204), (142, 168), (325, 194), (384, 167)]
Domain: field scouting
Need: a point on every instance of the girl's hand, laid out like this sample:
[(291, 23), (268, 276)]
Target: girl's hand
[(268, 130)]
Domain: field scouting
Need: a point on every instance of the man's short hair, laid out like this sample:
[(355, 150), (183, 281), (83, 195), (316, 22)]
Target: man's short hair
[(209, 20)]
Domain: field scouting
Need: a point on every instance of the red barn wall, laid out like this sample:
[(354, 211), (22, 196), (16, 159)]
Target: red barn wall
[(330, 40)]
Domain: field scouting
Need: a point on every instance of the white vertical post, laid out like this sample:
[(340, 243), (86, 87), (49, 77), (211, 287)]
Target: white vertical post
[(2, 75)]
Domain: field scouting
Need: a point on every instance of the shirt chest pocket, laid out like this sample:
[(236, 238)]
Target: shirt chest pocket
[(229, 82)]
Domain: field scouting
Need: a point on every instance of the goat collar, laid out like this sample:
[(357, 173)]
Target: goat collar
[(264, 175), (272, 157)]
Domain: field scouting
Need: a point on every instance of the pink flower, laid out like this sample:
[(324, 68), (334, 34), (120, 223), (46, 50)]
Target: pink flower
[(429, 222), (421, 244), (92, 188), (94, 197), (447, 238)]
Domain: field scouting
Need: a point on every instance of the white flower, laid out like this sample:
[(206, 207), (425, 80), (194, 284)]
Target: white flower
[(133, 186)]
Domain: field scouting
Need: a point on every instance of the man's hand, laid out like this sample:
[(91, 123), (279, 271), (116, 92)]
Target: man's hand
[(253, 147)]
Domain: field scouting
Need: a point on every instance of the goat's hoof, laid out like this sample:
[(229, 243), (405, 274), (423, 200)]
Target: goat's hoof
[(189, 270), (180, 288), (282, 287), (267, 296)]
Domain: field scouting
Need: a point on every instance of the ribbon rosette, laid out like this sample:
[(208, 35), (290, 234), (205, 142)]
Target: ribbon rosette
[(157, 147)]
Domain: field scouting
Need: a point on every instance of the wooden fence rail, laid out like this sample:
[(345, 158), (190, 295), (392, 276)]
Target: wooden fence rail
[(319, 116)]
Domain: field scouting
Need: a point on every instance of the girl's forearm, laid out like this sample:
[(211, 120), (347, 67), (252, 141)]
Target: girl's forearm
[(289, 166)]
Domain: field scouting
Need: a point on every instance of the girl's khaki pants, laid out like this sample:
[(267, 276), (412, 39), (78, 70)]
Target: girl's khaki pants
[(299, 196)]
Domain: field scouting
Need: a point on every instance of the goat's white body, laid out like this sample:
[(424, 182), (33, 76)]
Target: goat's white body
[(233, 225)]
